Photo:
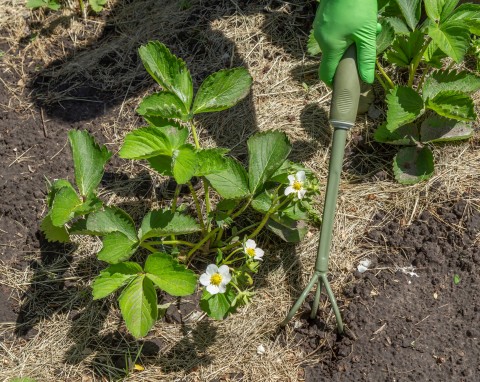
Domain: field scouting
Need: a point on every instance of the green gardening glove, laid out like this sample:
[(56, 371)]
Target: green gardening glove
[(340, 23)]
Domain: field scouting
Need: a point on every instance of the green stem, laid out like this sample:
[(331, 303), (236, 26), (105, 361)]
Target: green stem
[(416, 62), (262, 223), (422, 79), (207, 237), (171, 242), (82, 8), (231, 254), (267, 216), (243, 208), (149, 247), (174, 203), (377, 76), (197, 206), (385, 75), (194, 134), (206, 190)]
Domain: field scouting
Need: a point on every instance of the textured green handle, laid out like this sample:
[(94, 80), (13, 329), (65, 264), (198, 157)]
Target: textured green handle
[(346, 91)]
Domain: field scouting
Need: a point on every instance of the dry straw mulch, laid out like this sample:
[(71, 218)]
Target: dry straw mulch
[(269, 38)]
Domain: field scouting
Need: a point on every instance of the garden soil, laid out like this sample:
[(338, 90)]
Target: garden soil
[(413, 316)]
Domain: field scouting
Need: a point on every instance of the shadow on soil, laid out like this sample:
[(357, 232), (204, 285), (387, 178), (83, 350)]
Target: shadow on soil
[(48, 292)]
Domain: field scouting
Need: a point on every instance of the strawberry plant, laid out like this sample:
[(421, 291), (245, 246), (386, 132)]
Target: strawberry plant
[(159, 252), (55, 5), (429, 102)]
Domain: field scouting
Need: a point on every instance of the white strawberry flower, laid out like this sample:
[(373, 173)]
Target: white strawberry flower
[(216, 278), (252, 251), (297, 183)]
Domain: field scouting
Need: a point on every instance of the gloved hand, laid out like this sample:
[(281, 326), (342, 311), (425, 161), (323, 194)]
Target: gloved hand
[(338, 24)]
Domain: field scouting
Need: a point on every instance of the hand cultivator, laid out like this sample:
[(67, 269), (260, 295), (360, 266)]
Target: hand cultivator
[(343, 112)]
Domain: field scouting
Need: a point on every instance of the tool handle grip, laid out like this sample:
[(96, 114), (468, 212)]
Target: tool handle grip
[(346, 91)]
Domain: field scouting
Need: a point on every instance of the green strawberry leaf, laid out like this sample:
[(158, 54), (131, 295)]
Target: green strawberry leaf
[(144, 143), (267, 152), (413, 165), (442, 80), (162, 104), (138, 304), (89, 160), (440, 129), (64, 205), (117, 247), (184, 163), (411, 11), (469, 14), (286, 228), (405, 48), (113, 278), (386, 37), (217, 306), (111, 219), (404, 135), (162, 164), (166, 223), (404, 106), (97, 5), (231, 183), (170, 72), (210, 161), (312, 45), (170, 276), (453, 38), (222, 90), (53, 233), (453, 104)]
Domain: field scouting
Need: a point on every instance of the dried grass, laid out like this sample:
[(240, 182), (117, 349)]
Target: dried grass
[(73, 340)]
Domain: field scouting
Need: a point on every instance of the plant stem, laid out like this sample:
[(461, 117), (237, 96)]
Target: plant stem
[(149, 247), (194, 134), (422, 79), (171, 242), (82, 8), (385, 87), (243, 208), (262, 223), (416, 62), (174, 202), (385, 75), (207, 237), (197, 206), (231, 254), (206, 190), (266, 217)]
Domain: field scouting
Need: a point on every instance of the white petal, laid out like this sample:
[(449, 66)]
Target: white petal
[(300, 176), (205, 279), (301, 193), (224, 271), (222, 288), (289, 190), (226, 279), (291, 178), (258, 253), (213, 289), (211, 269), (250, 244)]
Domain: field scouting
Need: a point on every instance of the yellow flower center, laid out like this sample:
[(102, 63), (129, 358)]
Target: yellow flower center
[(251, 252), (297, 186), (216, 279)]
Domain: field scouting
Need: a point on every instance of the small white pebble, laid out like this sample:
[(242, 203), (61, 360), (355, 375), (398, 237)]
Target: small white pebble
[(260, 350), (363, 265)]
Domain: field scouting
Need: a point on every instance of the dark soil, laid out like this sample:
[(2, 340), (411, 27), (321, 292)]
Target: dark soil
[(407, 328)]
